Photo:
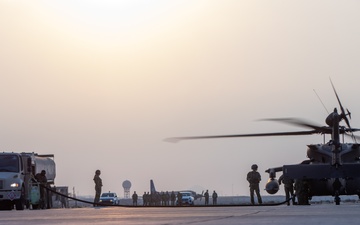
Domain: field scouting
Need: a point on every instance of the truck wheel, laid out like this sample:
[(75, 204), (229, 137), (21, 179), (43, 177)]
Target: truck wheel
[(7, 206), (27, 204), (20, 203), (337, 200)]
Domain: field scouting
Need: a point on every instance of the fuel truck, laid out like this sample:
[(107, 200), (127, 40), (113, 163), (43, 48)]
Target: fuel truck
[(18, 185)]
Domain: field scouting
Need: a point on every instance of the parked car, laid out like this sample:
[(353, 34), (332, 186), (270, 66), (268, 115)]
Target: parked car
[(186, 199), (109, 198)]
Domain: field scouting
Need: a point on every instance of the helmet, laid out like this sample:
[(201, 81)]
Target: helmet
[(97, 172), (254, 167), (43, 172)]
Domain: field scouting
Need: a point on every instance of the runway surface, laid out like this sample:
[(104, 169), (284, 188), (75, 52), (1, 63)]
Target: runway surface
[(329, 214)]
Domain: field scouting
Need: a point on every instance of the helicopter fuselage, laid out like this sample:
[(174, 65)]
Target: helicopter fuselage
[(323, 153), (319, 176)]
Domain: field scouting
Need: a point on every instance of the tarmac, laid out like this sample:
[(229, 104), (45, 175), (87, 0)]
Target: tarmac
[(329, 214)]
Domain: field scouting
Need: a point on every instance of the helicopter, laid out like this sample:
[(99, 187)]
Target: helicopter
[(332, 168)]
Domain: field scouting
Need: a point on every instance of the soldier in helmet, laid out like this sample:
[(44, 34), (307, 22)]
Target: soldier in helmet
[(98, 185), (172, 198), (214, 197), (179, 199), (206, 195), (134, 198), (254, 178), (288, 187), (41, 178)]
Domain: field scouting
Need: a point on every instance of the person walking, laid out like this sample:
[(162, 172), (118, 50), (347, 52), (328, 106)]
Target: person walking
[(254, 178)]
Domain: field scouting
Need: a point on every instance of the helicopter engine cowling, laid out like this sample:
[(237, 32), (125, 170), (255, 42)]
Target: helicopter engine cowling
[(272, 186)]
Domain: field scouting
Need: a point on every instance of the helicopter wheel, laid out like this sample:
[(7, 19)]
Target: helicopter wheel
[(337, 199)]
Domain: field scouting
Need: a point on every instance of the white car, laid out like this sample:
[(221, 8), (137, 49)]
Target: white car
[(187, 198), (109, 198)]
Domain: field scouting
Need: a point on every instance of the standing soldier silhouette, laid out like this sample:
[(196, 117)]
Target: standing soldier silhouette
[(179, 199), (288, 187), (172, 198), (167, 198), (206, 195), (135, 198), (98, 185), (41, 178), (144, 199), (214, 197), (254, 178)]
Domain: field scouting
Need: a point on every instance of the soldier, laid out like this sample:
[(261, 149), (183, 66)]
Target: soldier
[(302, 191), (41, 178), (288, 187), (144, 199), (148, 198), (167, 198), (134, 198), (172, 198), (157, 198), (179, 198), (254, 178), (152, 198), (62, 199), (163, 198), (214, 197), (206, 195), (98, 185)]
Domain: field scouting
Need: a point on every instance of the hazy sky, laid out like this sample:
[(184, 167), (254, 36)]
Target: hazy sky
[(100, 84)]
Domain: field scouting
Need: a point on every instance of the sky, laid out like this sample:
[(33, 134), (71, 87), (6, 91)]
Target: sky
[(101, 84)]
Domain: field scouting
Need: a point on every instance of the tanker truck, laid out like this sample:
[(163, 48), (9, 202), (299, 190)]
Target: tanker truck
[(18, 185)]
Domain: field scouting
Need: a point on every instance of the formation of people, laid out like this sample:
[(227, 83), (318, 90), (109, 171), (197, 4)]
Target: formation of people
[(159, 198), (173, 199)]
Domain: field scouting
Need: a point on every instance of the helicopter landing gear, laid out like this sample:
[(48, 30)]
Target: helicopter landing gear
[(302, 192), (337, 185), (337, 199)]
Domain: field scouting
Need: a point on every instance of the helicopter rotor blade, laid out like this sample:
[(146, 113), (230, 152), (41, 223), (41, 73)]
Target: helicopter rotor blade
[(348, 113), (354, 137), (177, 139), (344, 129), (301, 123), (343, 114), (341, 107)]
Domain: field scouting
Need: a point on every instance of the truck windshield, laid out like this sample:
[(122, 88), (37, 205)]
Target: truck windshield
[(9, 163)]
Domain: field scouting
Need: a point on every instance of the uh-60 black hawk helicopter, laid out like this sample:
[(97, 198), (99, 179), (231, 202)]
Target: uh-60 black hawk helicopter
[(333, 168)]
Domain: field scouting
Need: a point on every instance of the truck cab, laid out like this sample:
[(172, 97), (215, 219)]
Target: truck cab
[(17, 171), (14, 180)]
